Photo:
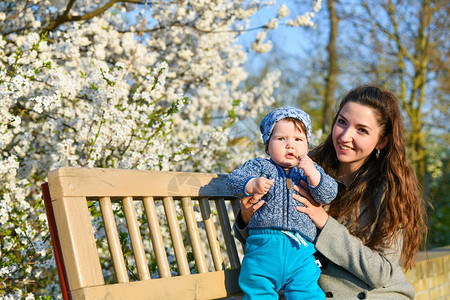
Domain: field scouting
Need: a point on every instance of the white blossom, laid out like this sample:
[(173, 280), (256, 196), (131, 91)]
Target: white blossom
[(304, 20), (272, 24), (95, 94), (283, 11), (29, 297), (317, 5), (259, 46)]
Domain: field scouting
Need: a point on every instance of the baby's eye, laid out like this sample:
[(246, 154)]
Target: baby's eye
[(281, 139), (299, 140)]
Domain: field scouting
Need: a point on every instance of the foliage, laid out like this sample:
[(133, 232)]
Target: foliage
[(114, 84), (438, 184)]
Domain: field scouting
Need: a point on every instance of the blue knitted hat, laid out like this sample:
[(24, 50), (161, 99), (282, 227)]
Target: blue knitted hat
[(269, 121)]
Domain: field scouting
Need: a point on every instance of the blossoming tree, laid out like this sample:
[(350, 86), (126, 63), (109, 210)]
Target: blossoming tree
[(124, 84)]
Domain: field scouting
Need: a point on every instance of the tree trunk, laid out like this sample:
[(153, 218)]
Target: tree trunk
[(331, 79)]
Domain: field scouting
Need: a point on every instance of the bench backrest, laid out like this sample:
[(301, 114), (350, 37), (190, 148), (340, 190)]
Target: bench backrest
[(114, 225)]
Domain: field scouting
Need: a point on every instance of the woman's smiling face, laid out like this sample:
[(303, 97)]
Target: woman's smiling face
[(355, 135)]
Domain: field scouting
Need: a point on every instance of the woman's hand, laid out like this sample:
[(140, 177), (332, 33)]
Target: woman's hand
[(313, 209), (249, 205)]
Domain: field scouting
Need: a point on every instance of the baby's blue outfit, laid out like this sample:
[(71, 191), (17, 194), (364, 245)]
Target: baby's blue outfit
[(279, 210), (279, 250)]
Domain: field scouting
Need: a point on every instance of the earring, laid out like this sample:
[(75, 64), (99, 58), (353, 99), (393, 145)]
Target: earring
[(378, 153)]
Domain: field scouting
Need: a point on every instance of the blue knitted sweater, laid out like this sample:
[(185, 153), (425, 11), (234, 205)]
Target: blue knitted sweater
[(279, 211)]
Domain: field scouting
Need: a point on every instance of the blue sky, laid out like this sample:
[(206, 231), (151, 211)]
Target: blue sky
[(294, 42)]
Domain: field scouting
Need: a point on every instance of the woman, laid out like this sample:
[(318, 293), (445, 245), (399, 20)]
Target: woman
[(377, 222)]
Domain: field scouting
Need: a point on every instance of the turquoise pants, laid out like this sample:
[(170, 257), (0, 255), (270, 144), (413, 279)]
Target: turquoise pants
[(274, 261)]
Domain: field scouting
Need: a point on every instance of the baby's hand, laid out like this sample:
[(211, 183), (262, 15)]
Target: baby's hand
[(259, 186), (310, 170)]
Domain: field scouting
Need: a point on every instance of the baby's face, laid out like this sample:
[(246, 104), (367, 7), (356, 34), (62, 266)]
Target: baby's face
[(287, 143)]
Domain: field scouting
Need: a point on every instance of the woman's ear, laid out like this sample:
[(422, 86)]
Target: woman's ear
[(382, 143)]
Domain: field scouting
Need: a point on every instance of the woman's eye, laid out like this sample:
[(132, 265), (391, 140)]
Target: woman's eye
[(362, 130), (341, 121)]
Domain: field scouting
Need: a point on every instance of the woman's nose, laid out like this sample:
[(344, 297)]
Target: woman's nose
[(346, 135)]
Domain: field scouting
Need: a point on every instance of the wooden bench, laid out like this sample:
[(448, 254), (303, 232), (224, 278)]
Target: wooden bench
[(110, 231)]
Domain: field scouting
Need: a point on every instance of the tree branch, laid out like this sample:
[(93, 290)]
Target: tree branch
[(66, 17)]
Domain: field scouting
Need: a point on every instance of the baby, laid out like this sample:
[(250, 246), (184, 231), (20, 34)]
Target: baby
[(279, 250)]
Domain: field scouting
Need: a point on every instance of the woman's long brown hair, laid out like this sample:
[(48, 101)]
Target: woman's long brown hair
[(402, 210)]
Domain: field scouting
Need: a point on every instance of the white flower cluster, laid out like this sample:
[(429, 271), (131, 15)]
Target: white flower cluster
[(261, 45), (304, 20), (307, 18), (96, 94)]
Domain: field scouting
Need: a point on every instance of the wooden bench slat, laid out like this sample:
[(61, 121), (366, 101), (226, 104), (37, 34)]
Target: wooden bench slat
[(226, 229), (136, 239), (194, 236), (80, 250), (93, 182), (236, 205), (211, 233), (156, 238), (206, 286), (177, 238), (113, 240)]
